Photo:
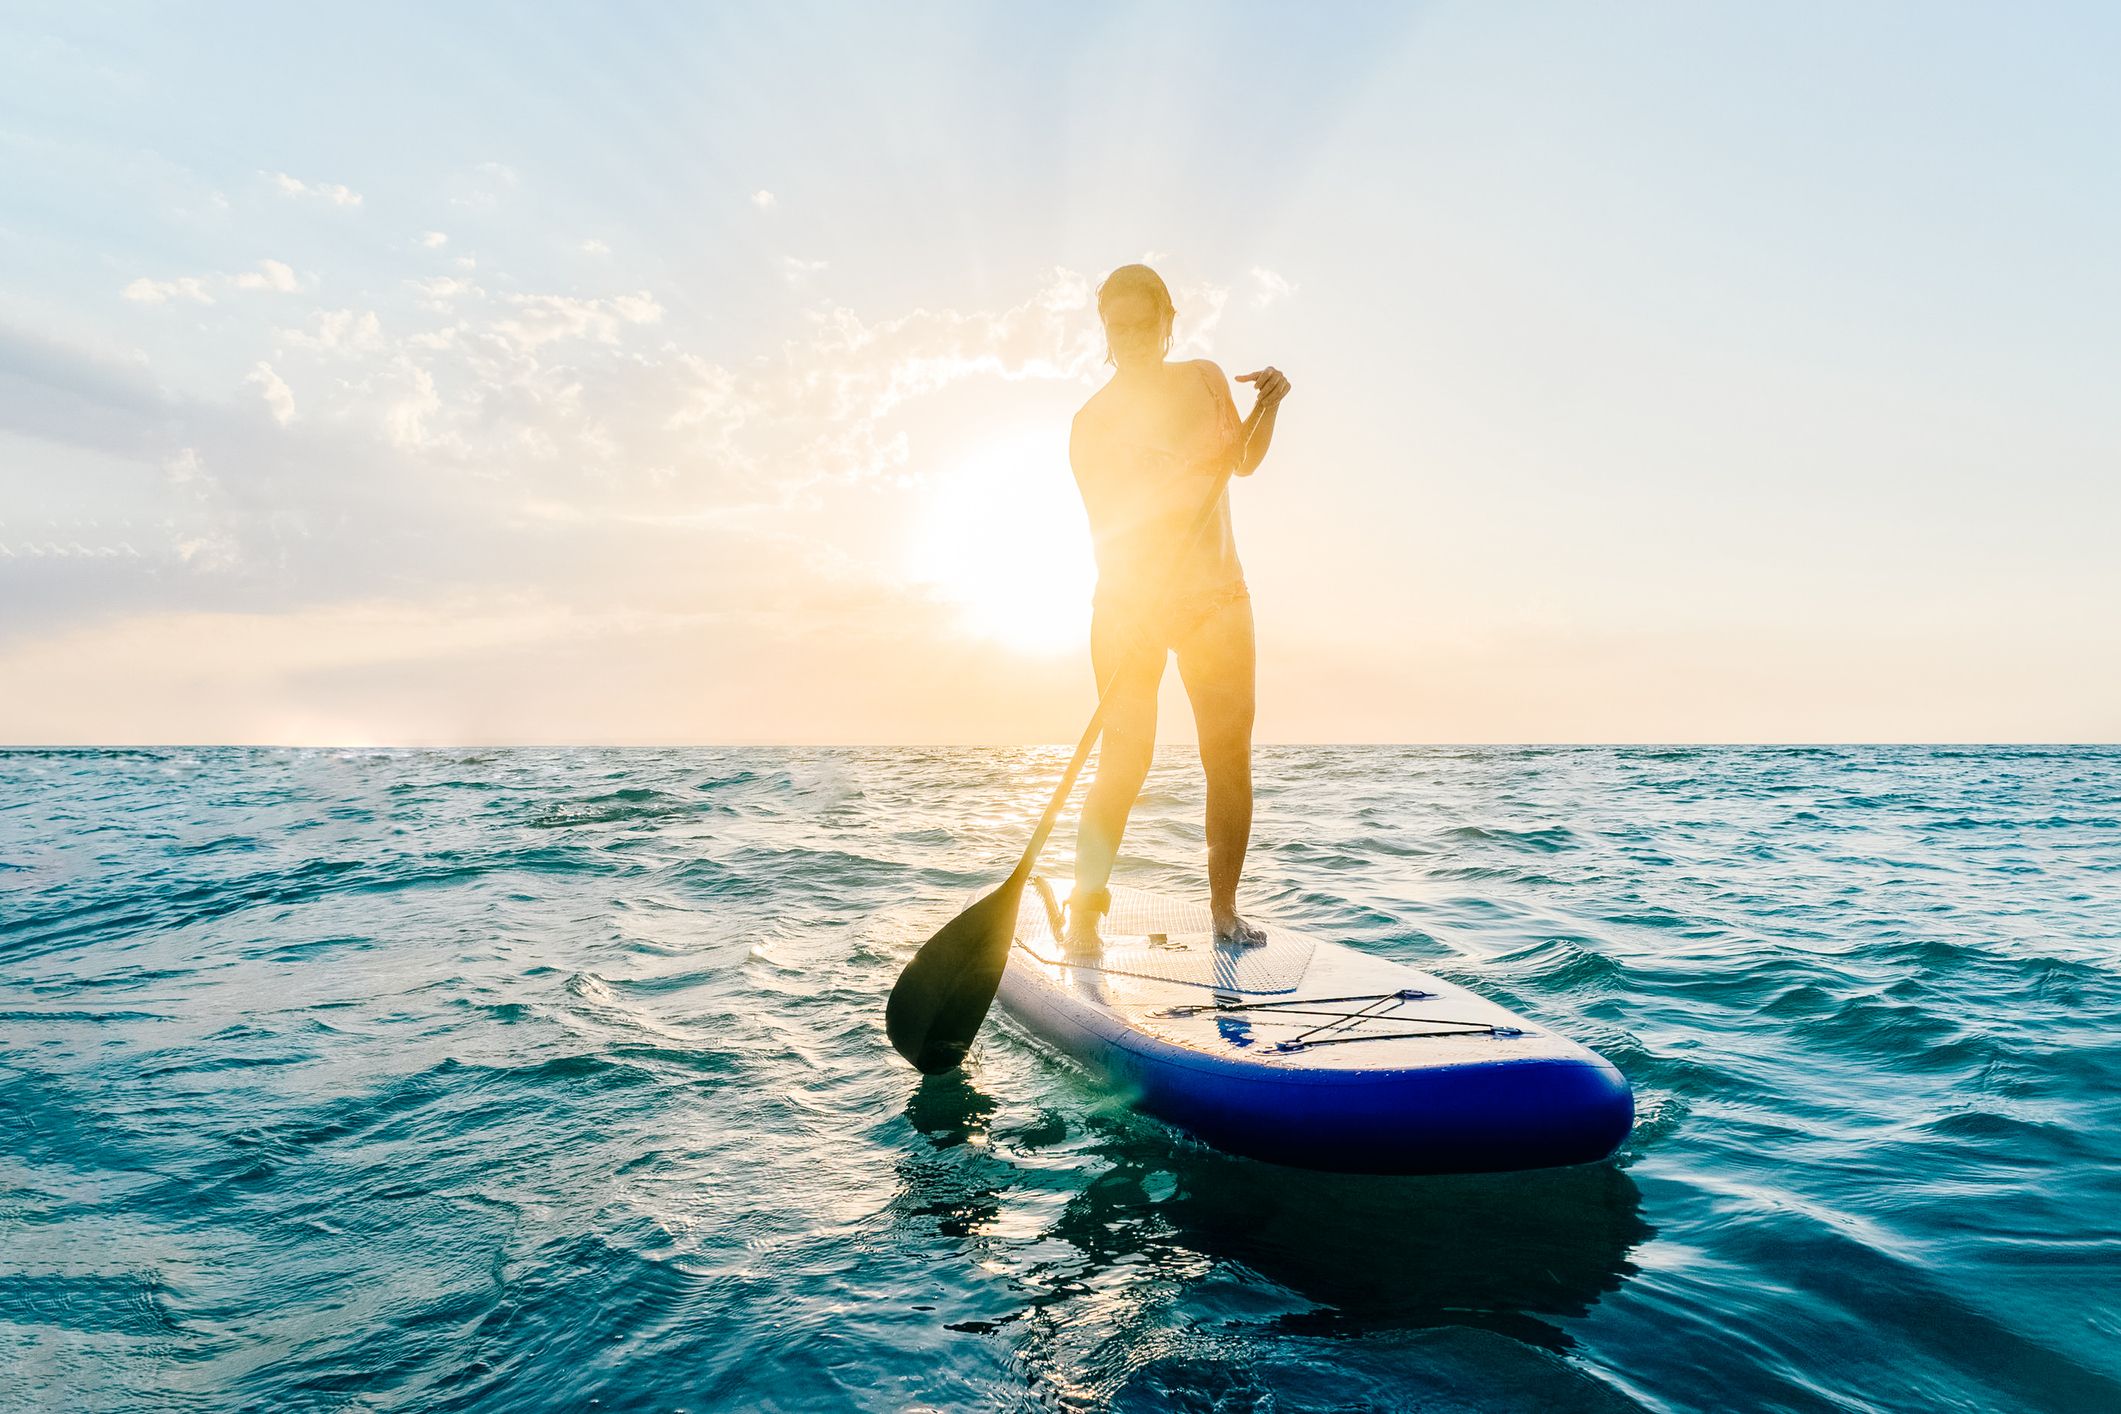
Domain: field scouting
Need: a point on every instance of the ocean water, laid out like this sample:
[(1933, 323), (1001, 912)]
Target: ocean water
[(556, 1079)]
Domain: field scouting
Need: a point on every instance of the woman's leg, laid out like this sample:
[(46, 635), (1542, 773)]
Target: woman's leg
[(1124, 750), (1217, 661)]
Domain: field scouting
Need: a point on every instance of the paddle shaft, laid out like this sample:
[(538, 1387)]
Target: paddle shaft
[(1054, 807)]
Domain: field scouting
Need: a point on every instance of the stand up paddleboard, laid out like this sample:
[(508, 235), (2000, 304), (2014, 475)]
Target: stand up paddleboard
[(1301, 1051)]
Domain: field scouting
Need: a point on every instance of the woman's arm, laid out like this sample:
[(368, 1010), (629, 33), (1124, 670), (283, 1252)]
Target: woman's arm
[(1271, 387), (1260, 426), (1257, 430)]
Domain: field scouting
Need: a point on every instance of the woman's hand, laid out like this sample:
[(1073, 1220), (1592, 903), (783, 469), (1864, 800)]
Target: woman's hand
[(1269, 384)]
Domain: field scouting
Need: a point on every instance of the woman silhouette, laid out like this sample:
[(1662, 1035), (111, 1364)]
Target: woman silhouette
[(1145, 450)]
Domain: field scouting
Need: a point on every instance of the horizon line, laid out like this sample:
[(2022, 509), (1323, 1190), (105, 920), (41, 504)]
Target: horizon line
[(763, 745)]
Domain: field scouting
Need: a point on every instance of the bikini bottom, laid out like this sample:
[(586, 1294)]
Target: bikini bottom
[(1170, 625)]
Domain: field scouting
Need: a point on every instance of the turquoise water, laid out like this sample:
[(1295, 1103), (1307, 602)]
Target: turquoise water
[(525, 1079)]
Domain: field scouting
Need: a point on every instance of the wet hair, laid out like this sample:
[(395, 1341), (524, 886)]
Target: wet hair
[(1137, 280)]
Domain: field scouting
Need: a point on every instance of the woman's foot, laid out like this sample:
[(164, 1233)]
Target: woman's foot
[(1234, 932), (1080, 921)]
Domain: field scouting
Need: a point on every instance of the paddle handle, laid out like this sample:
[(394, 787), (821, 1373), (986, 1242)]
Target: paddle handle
[(1096, 725)]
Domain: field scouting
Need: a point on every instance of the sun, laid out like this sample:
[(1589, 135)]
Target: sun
[(1000, 537)]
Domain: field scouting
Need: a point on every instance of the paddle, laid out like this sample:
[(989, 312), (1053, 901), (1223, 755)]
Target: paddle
[(941, 998)]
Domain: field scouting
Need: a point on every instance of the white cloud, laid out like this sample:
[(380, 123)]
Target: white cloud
[(541, 319), (494, 381), (270, 275), (796, 270), (407, 416), (338, 329), (148, 291), (330, 192), (595, 247), (185, 467), (483, 188), (547, 389), (208, 552), (278, 396), (434, 240), (1053, 333), (71, 550), (764, 200), (438, 290), (1269, 287)]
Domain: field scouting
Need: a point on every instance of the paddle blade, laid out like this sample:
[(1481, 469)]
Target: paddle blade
[(943, 995)]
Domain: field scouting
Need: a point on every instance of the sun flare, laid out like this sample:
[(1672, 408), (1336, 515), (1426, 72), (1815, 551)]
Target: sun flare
[(1002, 539)]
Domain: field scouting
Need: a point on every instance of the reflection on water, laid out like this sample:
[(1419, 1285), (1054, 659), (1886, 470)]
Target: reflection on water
[(955, 1197), (1152, 1213)]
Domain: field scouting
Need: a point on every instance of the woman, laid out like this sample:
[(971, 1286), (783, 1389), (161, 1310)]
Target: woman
[(1146, 449)]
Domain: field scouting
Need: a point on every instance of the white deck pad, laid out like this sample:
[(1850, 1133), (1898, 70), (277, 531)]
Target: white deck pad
[(1166, 940)]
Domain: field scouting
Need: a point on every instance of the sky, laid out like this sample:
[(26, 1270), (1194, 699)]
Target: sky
[(401, 375)]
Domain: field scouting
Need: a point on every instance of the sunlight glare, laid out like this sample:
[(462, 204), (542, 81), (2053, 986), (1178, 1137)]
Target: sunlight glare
[(1001, 537)]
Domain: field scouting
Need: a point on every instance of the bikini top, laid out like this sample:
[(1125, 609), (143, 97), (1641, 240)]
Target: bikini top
[(1214, 444), (1139, 513)]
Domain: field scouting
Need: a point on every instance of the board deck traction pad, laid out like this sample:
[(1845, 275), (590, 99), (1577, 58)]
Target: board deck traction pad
[(1165, 940), (1149, 936)]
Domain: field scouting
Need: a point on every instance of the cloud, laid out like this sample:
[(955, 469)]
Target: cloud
[(764, 200), (439, 291), (407, 415), (1268, 287), (278, 396), (329, 192), (434, 240), (334, 329), (797, 271), (595, 247), (270, 275), (147, 291), (543, 390), (66, 550), (541, 319), (498, 380), (482, 188), (185, 468)]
